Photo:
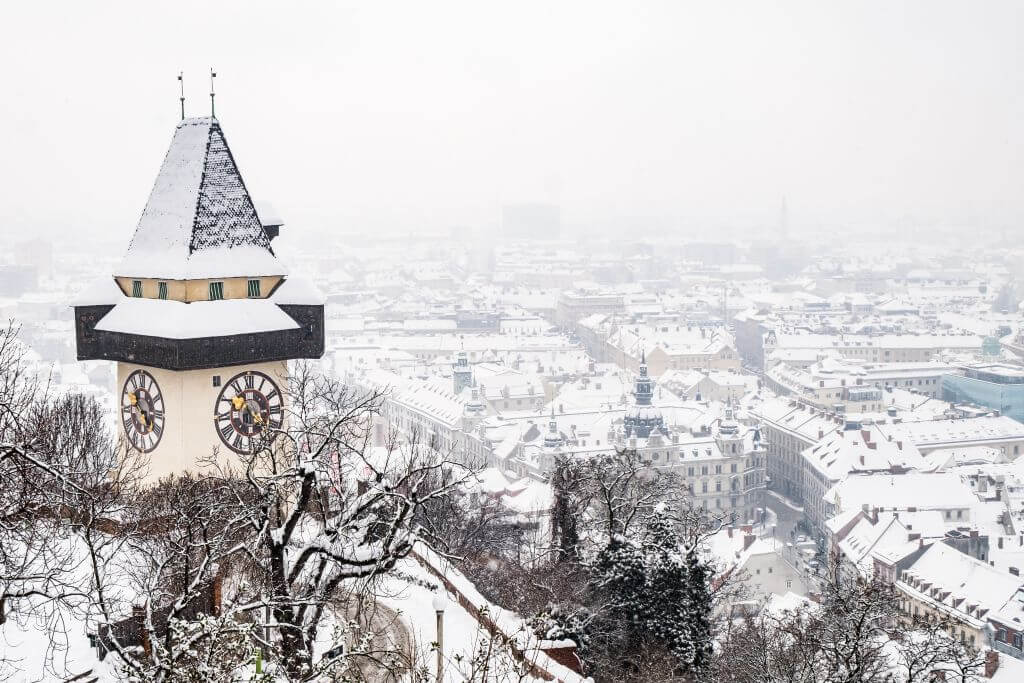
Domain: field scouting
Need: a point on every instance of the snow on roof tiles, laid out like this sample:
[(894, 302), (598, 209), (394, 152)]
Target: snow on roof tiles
[(299, 291), (177, 320), (199, 220), (99, 292)]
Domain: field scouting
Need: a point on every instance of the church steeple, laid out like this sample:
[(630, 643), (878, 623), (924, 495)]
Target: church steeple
[(642, 418), (462, 373), (553, 439), (643, 390)]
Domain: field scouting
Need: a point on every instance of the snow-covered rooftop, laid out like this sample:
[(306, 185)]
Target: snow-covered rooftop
[(199, 221), (177, 320)]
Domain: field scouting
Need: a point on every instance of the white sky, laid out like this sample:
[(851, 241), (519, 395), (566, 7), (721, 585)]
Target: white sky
[(427, 114)]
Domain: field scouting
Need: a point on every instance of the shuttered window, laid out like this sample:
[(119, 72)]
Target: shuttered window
[(216, 291), (136, 287), (254, 289), (161, 290)]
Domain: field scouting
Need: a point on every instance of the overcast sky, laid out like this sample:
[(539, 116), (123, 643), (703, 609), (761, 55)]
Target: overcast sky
[(424, 115)]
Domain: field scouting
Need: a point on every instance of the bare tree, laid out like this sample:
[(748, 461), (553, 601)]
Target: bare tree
[(55, 452), (856, 635), (323, 507)]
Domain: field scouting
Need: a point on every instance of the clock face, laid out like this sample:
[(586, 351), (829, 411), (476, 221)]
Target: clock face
[(142, 411), (248, 410)]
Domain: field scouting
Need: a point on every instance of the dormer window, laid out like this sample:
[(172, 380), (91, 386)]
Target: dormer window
[(161, 290), (254, 289), (216, 291), (137, 288)]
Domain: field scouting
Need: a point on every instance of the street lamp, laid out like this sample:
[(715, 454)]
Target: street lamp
[(439, 602)]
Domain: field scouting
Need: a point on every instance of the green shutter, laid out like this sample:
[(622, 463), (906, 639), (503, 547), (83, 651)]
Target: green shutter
[(161, 290), (254, 289), (216, 291), (136, 287)]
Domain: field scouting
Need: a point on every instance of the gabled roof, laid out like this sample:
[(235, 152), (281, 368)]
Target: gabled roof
[(199, 221)]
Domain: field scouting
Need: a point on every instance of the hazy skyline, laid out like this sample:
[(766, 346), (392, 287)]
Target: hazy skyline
[(405, 116)]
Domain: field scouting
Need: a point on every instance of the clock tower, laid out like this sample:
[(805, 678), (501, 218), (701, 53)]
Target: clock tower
[(200, 315)]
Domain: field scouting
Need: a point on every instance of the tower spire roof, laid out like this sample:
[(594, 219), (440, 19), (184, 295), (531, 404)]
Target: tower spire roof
[(199, 221)]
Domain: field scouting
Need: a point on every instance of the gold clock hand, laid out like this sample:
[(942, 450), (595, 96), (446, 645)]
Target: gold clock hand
[(256, 416)]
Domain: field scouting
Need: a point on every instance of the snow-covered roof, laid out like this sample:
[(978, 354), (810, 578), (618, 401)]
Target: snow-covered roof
[(99, 292), (920, 490), (961, 584), (199, 221), (267, 213), (177, 320), (298, 290)]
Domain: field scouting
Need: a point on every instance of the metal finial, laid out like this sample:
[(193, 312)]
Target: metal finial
[(213, 110), (181, 87)]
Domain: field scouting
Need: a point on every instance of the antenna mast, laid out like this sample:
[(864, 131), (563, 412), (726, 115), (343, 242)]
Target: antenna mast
[(181, 87), (213, 111)]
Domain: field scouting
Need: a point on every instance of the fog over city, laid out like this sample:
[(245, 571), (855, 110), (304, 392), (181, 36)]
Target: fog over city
[(667, 117), (467, 342)]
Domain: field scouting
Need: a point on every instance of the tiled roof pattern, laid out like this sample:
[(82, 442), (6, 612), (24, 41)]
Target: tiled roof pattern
[(199, 221), (224, 215)]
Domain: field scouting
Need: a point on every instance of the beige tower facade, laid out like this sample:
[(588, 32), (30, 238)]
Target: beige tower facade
[(200, 315)]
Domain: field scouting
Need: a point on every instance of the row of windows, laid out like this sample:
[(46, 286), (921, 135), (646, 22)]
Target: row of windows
[(216, 290)]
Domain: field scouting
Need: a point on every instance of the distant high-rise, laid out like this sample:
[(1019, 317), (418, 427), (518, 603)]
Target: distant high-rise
[(531, 221)]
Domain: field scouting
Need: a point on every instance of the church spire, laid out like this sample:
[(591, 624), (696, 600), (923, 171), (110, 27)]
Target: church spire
[(553, 439)]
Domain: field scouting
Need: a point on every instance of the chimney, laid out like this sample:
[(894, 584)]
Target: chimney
[(747, 529), (874, 515), (913, 537), (899, 445), (871, 444), (991, 663), (821, 433), (729, 531), (748, 540)]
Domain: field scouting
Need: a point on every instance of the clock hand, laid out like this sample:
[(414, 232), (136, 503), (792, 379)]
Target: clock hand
[(256, 416), (143, 413)]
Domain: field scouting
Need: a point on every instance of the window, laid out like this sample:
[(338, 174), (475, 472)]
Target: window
[(161, 290), (216, 291), (216, 380), (254, 289), (136, 287)]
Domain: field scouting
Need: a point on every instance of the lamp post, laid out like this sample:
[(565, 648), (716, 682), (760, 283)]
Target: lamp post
[(439, 602)]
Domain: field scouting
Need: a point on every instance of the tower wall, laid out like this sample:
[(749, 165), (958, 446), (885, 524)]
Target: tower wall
[(189, 398)]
